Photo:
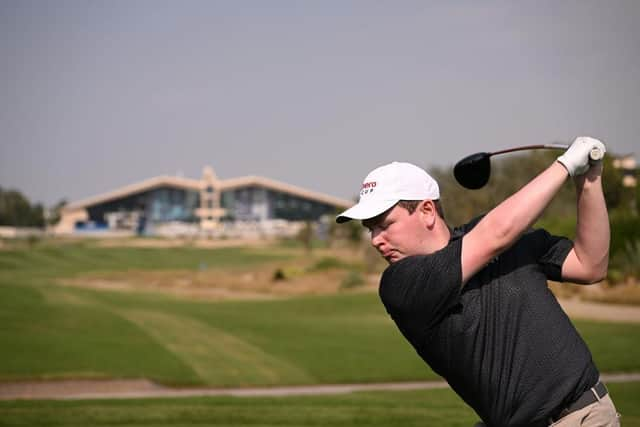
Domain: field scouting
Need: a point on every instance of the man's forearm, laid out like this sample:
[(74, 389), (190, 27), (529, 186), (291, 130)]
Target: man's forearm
[(502, 226), (517, 213), (591, 244)]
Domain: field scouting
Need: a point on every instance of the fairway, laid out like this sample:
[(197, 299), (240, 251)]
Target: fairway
[(217, 357), (332, 339), (49, 330)]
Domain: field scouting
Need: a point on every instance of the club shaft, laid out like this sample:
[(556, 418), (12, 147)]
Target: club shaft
[(532, 147), (595, 155)]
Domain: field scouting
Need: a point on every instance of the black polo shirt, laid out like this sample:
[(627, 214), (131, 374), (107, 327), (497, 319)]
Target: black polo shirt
[(502, 341)]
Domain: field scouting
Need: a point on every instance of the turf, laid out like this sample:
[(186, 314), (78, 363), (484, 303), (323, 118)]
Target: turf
[(51, 331), (52, 260), (377, 409)]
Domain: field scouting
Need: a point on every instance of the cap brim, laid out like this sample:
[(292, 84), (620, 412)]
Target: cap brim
[(363, 211)]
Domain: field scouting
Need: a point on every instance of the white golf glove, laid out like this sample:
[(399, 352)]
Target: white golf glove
[(577, 157)]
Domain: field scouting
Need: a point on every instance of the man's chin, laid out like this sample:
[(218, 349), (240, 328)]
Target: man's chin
[(394, 257)]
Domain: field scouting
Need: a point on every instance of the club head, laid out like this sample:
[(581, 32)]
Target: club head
[(473, 171)]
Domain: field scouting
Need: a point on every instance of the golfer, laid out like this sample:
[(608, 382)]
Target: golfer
[(474, 302)]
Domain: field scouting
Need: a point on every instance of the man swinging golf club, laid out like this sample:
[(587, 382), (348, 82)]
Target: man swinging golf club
[(474, 301)]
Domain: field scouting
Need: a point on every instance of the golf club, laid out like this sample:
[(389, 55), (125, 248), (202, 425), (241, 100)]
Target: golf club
[(473, 171)]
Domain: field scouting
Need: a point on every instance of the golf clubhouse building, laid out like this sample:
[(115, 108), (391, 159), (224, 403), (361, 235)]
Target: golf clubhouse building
[(174, 206)]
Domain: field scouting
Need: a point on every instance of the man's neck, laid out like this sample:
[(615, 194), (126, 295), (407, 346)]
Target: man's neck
[(441, 236)]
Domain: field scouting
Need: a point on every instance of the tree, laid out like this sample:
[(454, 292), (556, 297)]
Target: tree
[(55, 212), (15, 210), (305, 235)]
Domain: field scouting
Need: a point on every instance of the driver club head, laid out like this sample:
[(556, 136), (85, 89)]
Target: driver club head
[(473, 171)]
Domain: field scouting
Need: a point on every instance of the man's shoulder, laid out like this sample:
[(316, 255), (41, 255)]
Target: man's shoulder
[(405, 267), (414, 263), (422, 267), (423, 285), (463, 229)]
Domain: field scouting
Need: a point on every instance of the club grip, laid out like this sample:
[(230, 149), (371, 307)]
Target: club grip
[(596, 154)]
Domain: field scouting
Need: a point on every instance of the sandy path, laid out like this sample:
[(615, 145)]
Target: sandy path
[(608, 312), (131, 389)]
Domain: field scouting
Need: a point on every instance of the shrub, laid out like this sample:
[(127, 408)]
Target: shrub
[(353, 279), (327, 263), (286, 273), (625, 229), (625, 263), (278, 275)]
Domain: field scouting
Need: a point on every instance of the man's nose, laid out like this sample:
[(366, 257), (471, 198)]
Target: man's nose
[(376, 238)]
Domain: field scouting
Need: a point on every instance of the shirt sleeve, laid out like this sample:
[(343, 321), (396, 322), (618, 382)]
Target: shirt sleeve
[(418, 291), (553, 251)]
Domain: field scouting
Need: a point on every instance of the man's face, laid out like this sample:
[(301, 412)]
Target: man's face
[(397, 234)]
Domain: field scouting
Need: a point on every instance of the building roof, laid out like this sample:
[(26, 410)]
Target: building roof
[(148, 184), (196, 185), (250, 181)]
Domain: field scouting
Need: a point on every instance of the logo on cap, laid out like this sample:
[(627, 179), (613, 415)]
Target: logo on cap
[(368, 187)]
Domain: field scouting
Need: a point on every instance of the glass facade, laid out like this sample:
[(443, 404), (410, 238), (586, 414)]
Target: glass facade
[(257, 203), (138, 210), (254, 203)]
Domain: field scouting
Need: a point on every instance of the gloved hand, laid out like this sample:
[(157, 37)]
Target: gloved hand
[(577, 157)]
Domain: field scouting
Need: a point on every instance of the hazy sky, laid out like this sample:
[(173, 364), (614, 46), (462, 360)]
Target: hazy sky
[(99, 94)]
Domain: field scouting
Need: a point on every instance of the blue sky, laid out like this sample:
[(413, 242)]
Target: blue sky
[(100, 94)]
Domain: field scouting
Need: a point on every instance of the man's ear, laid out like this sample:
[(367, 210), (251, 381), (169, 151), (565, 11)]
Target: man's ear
[(427, 209)]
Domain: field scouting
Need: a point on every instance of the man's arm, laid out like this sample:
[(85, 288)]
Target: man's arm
[(504, 224), (588, 260)]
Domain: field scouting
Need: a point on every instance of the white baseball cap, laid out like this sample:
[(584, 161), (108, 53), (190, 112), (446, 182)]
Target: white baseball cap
[(387, 185)]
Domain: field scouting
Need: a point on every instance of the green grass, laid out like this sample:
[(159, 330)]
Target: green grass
[(336, 339), (51, 331), (615, 346), (87, 333), (67, 260), (440, 408), (65, 338)]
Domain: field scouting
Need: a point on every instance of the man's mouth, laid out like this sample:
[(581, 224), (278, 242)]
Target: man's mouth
[(389, 255)]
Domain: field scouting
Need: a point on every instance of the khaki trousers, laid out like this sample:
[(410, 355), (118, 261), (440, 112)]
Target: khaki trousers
[(599, 414)]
